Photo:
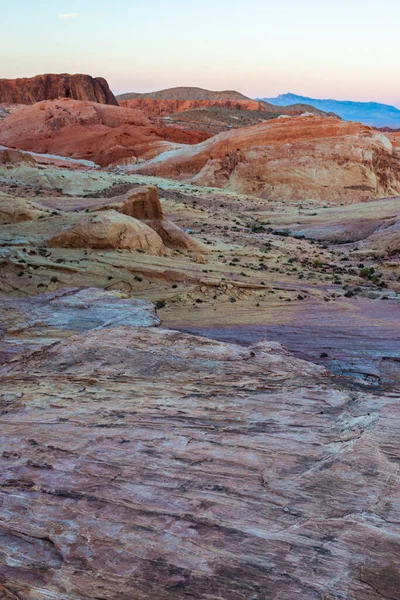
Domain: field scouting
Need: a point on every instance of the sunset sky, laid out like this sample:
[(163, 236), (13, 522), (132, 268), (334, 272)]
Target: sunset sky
[(345, 49)]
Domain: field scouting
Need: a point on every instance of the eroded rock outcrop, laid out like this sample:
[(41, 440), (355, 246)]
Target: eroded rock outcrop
[(144, 204), (51, 86), (289, 159), (92, 131)]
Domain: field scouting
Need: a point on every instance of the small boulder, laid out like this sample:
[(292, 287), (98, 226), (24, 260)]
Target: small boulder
[(144, 204), (109, 230)]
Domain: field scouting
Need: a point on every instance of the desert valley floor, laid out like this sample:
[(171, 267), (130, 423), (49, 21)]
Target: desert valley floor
[(200, 362)]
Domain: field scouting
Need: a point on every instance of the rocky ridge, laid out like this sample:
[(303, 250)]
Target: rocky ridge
[(325, 159)]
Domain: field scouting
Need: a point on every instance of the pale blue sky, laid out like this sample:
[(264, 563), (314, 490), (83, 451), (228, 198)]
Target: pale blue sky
[(347, 49)]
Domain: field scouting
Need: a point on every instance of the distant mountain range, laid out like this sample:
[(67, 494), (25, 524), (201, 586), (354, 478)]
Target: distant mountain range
[(369, 113)]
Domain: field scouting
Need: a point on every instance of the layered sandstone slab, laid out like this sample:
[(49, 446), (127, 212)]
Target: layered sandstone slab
[(289, 159), (373, 225), (92, 131), (52, 86), (14, 210), (145, 463), (34, 323)]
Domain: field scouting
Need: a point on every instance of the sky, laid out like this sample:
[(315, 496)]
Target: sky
[(343, 49)]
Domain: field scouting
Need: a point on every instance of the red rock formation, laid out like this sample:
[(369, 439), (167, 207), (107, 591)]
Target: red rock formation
[(50, 87), (153, 107), (290, 159), (103, 134)]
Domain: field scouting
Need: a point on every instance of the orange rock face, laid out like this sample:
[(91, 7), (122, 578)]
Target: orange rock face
[(97, 132), (50, 87), (290, 159), (154, 107)]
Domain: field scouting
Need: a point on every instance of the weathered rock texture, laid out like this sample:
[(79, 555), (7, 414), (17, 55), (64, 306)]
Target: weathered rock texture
[(145, 463), (51, 86), (289, 159), (97, 132)]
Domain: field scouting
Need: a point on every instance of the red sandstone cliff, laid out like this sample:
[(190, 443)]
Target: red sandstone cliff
[(50, 87)]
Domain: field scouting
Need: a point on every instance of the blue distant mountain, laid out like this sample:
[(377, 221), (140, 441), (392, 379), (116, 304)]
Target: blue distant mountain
[(369, 113)]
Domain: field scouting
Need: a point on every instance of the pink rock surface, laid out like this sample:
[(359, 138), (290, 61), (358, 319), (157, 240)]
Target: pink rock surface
[(146, 463)]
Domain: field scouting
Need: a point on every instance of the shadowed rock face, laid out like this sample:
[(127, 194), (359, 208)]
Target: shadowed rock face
[(145, 463), (50, 87)]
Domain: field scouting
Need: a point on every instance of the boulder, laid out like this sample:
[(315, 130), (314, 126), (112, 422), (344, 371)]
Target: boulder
[(108, 230), (144, 204)]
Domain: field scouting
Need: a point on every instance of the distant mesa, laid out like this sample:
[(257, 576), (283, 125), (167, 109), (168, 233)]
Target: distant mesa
[(368, 113), (52, 86)]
